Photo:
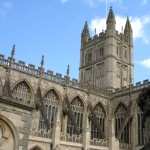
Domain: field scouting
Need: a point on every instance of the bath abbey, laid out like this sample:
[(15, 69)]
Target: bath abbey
[(103, 110)]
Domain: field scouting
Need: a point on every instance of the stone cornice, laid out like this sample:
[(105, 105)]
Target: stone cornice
[(13, 102)]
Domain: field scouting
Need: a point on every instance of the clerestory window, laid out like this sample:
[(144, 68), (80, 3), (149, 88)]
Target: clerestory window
[(51, 105), (22, 92), (75, 128), (99, 121)]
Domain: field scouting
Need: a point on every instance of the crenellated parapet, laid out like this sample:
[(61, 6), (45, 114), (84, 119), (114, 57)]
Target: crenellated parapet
[(31, 69), (138, 86)]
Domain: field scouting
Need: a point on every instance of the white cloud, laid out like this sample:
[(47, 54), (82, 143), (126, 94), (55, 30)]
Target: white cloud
[(64, 1), (138, 26), (93, 3), (144, 2), (146, 63)]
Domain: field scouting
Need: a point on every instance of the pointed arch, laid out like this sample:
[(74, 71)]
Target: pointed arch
[(23, 80), (6, 122), (120, 114), (1, 87), (120, 106), (98, 122), (140, 126), (78, 100), (50, 102), (22, 91), (100, 106), (57, 93), (36, 148), (77, 110)]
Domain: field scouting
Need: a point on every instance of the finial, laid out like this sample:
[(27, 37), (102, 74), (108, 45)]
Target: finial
[(122, 29), (68, 70), (42, 61), (13, 51), (128, 26), (95, 31), (85, 30)]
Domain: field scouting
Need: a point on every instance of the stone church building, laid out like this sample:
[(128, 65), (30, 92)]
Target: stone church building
[(40, 110)]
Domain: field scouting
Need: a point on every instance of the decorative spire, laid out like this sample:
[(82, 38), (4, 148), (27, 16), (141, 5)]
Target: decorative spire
[(13, 51), (128, 27), (42, 61), (41, 67), (85, 31), (111, 21), (68, 70), (85, 35), (6, 88), (95, 31), (128, 34)]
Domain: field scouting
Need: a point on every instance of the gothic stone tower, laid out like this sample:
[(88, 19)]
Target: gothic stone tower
[(106, 59)]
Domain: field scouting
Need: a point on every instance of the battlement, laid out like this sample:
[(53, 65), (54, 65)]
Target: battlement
[(134, 87), (102, 37), (35, 71)]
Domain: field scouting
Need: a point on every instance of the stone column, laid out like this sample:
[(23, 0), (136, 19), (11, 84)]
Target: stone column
[(134, 130), (113, 142), (57, 130), (86, 131), (35, 121)]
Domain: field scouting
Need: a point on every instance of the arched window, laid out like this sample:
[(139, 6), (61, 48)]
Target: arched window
[(75, 128), (147, 130), (98, 133), (88, 58), (22, 92), (51, 104), (119, 118), (1, 87), (1, 132), (140, 130), (36, 148)]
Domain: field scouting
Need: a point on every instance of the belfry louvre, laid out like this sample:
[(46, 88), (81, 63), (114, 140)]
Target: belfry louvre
[(40, 110)]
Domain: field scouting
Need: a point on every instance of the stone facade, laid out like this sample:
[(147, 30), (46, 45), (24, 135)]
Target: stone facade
[(106, 59), (45, 111)]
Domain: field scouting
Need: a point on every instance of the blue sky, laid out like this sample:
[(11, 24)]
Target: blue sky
[(53, 27)]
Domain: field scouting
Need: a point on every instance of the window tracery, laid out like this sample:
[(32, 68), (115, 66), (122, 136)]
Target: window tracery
[(51, 106), (100, 117), (1, 87), (140, 130), (119, 118), (77, 110), (22, 92)]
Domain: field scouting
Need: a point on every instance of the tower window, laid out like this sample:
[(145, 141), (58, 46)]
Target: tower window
[(117, 51), (101, 51), (125, 53), (88, 58)]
